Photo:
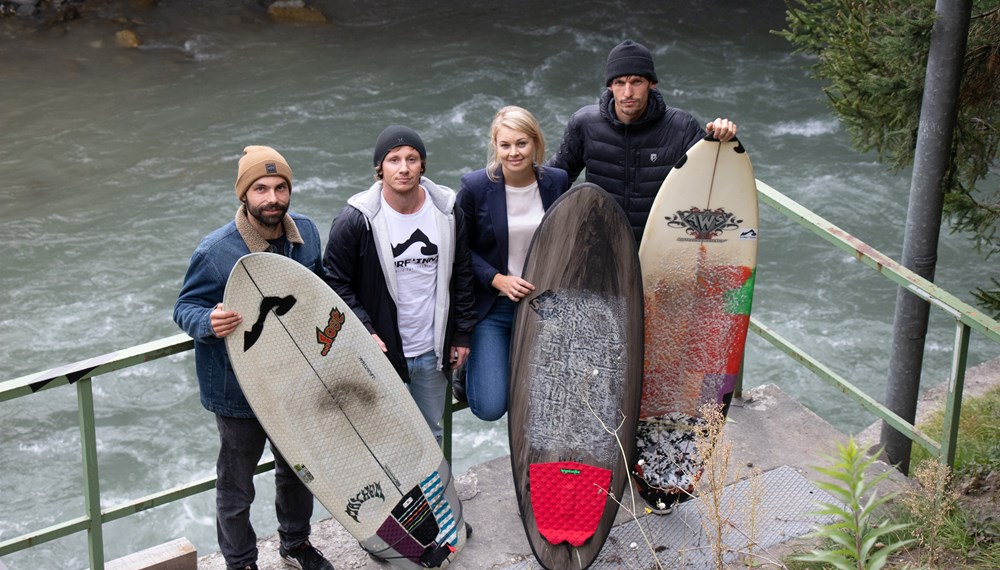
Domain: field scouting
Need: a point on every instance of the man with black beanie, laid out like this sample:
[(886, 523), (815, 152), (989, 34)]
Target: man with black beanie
[(630, 139), (398, 255)]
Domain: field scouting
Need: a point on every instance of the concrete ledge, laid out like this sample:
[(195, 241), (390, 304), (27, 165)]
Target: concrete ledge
[(768, 430), (177, 554)]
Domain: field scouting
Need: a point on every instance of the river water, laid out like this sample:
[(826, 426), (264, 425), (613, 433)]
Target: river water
[(116, 162)]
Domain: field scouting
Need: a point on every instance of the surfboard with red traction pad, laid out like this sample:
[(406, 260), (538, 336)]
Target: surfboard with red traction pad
[(576, 366)]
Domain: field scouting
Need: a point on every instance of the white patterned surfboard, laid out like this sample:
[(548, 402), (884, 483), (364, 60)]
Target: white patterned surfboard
[(698, 257), (339, 413)]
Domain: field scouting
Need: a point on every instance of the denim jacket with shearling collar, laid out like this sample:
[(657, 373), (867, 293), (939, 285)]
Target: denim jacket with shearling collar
[(204, 285)]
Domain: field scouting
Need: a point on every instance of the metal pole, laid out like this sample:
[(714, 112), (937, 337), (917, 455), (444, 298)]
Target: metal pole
[(953, 406), (91, 480), (932, 158)]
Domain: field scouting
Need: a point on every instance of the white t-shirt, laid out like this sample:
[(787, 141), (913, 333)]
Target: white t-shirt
[(524, 213), (414, 239)]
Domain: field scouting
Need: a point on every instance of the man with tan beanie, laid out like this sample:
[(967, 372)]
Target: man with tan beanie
[(262, 224)]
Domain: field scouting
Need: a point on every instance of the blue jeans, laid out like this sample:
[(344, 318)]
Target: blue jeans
[(428, 386), (241, 447), (488, 369)]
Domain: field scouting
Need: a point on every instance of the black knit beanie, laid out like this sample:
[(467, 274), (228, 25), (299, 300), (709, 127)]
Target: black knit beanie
[(629, 58), (393, 136)]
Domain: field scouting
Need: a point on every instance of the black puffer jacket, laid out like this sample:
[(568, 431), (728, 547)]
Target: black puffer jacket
[(630, 160)]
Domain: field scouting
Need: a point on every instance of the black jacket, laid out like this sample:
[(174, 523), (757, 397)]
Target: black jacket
[(354, 270), (484, 206), (631, 160)]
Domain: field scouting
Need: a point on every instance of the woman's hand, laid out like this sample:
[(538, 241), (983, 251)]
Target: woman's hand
[(513, 287)]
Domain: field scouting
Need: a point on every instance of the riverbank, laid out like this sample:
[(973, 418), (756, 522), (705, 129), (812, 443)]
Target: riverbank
[(126, 22), (978, 380)]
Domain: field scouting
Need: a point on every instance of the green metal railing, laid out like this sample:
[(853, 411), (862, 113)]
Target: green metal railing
[(81, 374), (967, 319)]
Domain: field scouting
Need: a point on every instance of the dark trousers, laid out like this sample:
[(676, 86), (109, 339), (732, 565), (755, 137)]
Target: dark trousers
[(242, 445)]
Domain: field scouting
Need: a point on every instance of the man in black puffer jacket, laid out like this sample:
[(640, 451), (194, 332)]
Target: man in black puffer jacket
[(630, 139)]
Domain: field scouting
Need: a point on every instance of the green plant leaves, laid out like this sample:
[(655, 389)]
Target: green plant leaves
[(860, 543)]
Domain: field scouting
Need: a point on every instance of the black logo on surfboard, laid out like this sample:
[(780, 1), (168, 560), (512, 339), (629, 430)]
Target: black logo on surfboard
[(370, 491), (281, 305), (704, 225)]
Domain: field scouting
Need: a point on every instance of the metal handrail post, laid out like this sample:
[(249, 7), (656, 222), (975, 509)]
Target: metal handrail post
[(446, 420), (953, 405), (738, 389), (91, 480)]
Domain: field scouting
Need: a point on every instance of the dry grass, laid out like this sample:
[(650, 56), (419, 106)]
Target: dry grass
[(725, 517), (931, 503)]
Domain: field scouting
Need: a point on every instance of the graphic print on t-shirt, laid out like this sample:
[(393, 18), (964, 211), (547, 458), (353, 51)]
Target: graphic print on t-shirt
[(417, 237), (415, 251)]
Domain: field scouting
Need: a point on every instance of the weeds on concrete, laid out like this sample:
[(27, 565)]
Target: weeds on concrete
[(716, 454), (858, 541), (721, 514), (630, 510), (931, 504)]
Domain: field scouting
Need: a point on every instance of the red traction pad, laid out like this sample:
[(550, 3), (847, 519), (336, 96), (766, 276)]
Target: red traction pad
[(568, 499)]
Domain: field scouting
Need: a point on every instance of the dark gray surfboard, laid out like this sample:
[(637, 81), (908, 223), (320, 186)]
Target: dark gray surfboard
[(576, 367)]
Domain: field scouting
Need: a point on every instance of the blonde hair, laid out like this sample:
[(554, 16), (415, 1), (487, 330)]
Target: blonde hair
[(520, 120)]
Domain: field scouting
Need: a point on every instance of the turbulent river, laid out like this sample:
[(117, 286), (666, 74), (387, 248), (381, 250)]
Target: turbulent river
[(115, 162)]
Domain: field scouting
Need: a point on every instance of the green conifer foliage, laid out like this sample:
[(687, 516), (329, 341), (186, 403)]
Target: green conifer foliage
[(872, 56)]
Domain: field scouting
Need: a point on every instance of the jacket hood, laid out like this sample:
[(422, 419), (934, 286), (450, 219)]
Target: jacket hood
[(369, 202)]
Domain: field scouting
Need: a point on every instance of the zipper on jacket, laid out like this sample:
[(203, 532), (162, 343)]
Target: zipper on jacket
[(630, 162)]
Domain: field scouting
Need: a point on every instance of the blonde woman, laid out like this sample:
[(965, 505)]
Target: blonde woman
[(503, 205)]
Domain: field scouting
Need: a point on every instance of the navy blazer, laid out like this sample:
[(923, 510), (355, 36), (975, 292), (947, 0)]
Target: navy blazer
[(484, 207)]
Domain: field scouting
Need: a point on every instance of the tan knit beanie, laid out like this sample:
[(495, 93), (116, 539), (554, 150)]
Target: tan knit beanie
[(257, 162)]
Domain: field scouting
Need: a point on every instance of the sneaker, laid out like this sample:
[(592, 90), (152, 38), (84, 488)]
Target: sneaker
[(468, 531), (247, 567), (305, 557), (657, 501)]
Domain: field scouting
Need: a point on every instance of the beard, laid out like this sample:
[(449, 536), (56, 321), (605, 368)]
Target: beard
[(269, 219)]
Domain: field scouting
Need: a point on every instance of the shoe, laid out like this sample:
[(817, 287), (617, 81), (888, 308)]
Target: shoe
[(658, 502), (468, 531), (458, 385), (305, 557), (247, 567)]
